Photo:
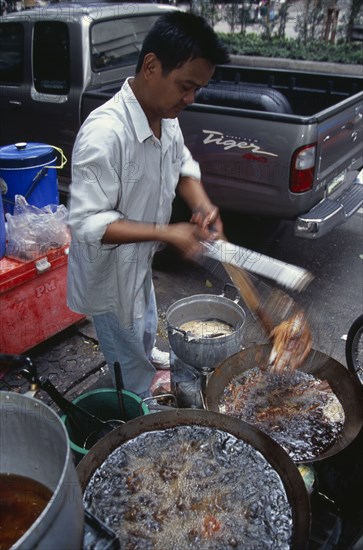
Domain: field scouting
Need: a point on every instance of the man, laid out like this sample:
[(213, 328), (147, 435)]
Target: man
[(128, 161)]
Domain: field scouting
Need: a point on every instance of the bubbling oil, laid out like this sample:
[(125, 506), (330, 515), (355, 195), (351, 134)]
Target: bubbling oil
[(191, 487), (22, 500), (299, 411)]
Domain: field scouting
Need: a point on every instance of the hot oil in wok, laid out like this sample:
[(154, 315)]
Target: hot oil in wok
[(299, 411), (191, 487)]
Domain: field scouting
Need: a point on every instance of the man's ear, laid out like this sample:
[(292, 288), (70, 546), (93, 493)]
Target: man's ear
[(151, 66)]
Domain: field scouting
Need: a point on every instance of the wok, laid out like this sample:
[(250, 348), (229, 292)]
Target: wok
[(273, 453), (342, 382)]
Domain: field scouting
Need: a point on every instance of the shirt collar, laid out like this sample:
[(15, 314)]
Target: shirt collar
[(139, 120), (138, 117)]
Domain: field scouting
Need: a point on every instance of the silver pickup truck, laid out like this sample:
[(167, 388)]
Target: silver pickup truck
[(276, 143)]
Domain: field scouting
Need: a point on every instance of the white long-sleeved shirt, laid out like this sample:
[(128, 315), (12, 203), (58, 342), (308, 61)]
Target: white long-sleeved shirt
[(120, 170)]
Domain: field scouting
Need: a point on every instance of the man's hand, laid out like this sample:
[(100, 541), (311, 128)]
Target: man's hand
[(186, 237), (208, 219)]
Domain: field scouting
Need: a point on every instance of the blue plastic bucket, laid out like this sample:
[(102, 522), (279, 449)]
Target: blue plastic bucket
[(28, 169), (2, 229)]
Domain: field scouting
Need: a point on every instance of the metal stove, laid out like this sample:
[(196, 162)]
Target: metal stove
[(187, 383)]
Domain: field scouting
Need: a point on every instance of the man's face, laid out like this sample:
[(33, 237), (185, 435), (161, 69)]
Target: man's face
[(173, 92)]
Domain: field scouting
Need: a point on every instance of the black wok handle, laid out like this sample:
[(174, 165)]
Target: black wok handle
[(51, 390), (119, 388), (84, 421)]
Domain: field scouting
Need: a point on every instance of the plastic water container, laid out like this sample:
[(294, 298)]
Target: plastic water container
[(28, 169), (2, 229)]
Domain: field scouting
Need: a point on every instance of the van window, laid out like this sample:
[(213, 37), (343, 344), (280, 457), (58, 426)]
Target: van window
[(11, 53), (51, 63), (117, 42)]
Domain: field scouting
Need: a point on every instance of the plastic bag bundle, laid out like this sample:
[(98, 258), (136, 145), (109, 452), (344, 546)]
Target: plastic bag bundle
[(33, 231)]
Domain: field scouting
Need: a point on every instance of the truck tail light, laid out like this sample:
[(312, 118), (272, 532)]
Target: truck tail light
[(302, 169)]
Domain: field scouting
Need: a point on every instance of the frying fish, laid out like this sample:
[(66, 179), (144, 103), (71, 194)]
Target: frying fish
[(292, 342)]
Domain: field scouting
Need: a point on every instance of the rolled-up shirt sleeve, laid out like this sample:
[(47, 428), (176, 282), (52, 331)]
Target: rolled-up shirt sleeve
[(189, 166), (96, 186)]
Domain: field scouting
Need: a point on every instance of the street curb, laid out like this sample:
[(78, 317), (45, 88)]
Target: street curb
[(297, 65)]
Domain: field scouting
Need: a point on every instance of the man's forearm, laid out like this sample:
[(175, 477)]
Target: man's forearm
[(193, 193), (126, 231)]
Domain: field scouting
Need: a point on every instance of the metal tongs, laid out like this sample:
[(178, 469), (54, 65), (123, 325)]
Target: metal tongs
[(291, 340), (217, 263), (288, 275)]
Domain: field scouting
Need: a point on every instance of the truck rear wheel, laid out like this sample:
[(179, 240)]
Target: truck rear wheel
[(354, 348)]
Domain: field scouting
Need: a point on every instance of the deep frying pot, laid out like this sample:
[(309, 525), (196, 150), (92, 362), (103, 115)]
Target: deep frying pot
[(273, 453), (342, 382), (34, 444)]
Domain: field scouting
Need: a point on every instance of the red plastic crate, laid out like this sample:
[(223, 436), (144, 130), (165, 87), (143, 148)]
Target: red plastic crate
[(33, 302)]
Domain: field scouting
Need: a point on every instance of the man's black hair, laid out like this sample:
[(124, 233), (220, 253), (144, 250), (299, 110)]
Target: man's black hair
[(177, 37)]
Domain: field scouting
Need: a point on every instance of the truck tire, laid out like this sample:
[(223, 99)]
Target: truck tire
[(354, 348)]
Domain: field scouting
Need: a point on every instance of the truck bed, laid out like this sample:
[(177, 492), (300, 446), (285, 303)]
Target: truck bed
[(305, 93), (246, 127), (268, 91)]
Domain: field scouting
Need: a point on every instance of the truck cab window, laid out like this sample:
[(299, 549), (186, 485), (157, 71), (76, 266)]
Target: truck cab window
[(51, 58), (117, 42), (11, 53)]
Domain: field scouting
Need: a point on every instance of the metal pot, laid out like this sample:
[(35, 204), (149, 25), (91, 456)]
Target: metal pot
[(34, 444), (342, 382), (205, 353), (273, 453)]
